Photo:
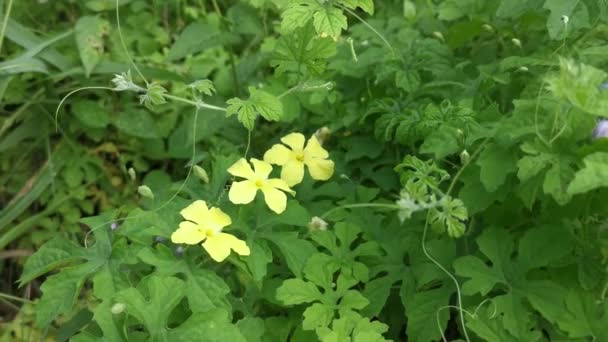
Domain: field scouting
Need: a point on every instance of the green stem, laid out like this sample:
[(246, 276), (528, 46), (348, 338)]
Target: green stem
[(364, 22), (361, 205), (5, 22), (198, 104), (15, 298)]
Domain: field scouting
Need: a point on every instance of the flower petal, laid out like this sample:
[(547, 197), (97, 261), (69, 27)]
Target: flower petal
[(219, 246), (196, 212), (188, 233), (295, 141), (280, 184), (278, 154), (293, 172), (320, 169), (218, 219), (262, 168), (314, 149), (275, 199), (241, 169), (242, 192)]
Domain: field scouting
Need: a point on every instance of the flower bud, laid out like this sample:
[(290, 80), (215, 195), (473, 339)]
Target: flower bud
[(145, 191), (132, 174), (516, 42), (317, 224), (118, 308), (439, 36), (523, 69), (464, 157), (565, 19), (601, 129), (201, 173), (487, 27), (323, 134)]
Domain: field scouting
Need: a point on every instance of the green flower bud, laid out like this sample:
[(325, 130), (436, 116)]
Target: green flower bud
[(145, 191), (201, 173), (118, 308), (132, 174), (464, 157)]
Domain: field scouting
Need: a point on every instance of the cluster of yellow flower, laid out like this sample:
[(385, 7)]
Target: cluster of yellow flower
[(205, 224)]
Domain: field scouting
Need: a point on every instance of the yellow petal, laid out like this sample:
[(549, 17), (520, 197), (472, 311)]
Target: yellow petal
[(320, 169), (219, 246), (218, 219), (196, 212), (275, 199), (241, 169), (262, 168), (188, 233), (279, 155), (280, 184), (314, 149), (293, 172), (242, 192), (295, 141)]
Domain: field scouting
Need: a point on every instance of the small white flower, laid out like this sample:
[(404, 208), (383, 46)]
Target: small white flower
[(565, 19), (317, 223)]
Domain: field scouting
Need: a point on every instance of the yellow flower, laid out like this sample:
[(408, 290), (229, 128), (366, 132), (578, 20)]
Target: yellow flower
[(293, 160), (244, 192), (206, 224)]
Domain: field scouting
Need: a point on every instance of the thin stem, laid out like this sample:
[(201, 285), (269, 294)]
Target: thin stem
[(369, 27), (361, 205), (5, 22), (454, 280), (179, 190), (198, 104), (70, 94), (464, 166), (124, 46), (15, 298)]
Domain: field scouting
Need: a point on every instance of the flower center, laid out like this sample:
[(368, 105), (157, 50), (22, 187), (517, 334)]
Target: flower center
[(209, 232), (259, 183), (300, 156)]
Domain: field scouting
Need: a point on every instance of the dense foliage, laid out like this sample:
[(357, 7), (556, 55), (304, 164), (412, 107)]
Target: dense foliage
[(422, 170)]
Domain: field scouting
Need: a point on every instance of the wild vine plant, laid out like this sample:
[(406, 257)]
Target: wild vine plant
[(397, 170)]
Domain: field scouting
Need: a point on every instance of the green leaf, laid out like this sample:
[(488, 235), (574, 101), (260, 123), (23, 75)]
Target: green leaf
[(531, 165), (556, 181), (353, 300), (317, 315), (154, 96), (577, 13), (515, 8), (592, 176), (89, 32), (153, 309), (22, 65), (496, 164), (259, 102), (298, 14), (578, 84), (60, 292), (298, 291), (205, 290), (203, 86), (138, 123), (90, 113), (329, 21), (454, 9), (57, 252), (422, 310), (540, 246), (302, 51), (211, 326), (366, 5), (296, 251), (196, 37)]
